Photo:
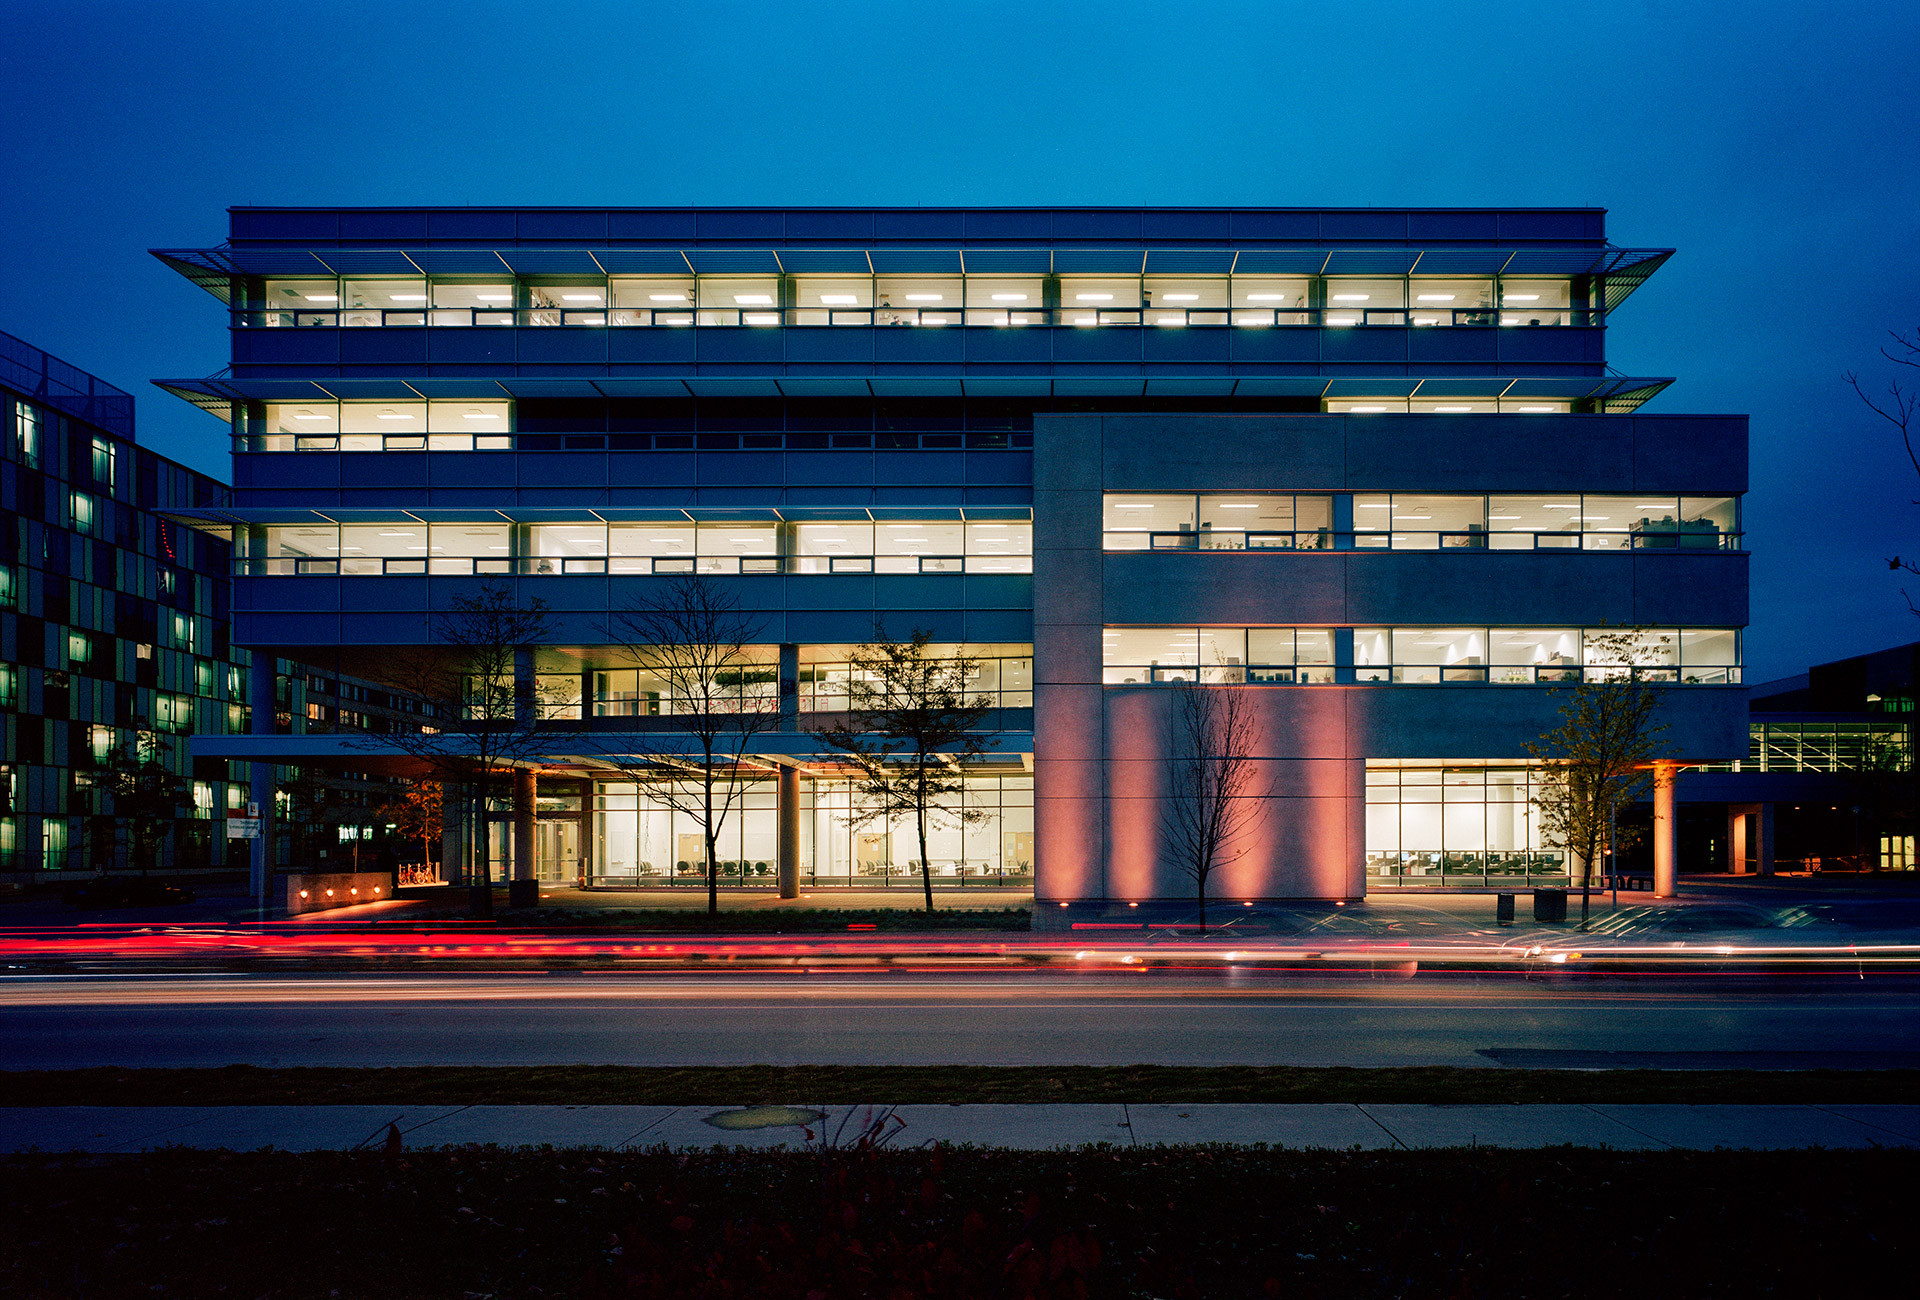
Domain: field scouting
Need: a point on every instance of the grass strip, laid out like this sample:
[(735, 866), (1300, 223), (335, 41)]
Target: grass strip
[(819, 1225), (247, 1085)]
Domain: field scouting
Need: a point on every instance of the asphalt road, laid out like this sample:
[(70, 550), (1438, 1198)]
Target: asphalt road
[(1156, 1017)]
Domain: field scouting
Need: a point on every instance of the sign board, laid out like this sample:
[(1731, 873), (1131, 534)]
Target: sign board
[(253, 810), (243, 828)]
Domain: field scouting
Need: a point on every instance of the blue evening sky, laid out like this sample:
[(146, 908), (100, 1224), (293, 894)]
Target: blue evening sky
[(1772, 144)]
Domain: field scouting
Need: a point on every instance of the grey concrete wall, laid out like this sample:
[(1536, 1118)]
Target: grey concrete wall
[(1102, 753)]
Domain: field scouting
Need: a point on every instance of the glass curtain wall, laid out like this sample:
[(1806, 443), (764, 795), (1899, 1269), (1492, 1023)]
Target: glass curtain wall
[(1457, 825), (984, 836)]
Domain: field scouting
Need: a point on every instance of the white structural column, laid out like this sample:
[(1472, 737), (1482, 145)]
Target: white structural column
[(260, 698), (1665, 831)]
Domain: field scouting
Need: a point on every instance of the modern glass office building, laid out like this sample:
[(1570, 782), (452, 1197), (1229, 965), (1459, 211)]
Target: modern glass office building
[(1370, 467)]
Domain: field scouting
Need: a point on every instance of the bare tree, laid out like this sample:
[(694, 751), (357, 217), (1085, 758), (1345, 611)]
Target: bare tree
[(719, 691), (1898, 406), (1601, 755), (912, 724), (486, 716), (149, 797), (414, 811), (1211, 801)]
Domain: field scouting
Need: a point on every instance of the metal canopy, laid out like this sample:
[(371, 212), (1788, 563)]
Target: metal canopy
[(216, 394), (213, 269)]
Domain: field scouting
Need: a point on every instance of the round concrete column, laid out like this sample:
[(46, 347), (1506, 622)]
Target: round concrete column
[(1666, 879), (789, 847), (524, 890)]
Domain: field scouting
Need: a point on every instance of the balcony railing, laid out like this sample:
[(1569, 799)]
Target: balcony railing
[(870, 317), (1705, 537), (624, 565), (1419, 674)]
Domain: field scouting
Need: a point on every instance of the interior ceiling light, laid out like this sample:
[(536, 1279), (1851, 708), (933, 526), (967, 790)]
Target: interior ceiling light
[(309, 415), (1523, 297), (493, 297), (839, 299), (390, 414), (408, 297), (1014, 297), (924, 297), (481, 415), (1436, 297), (323, 297), (753, 299), (1367, 410), (1181, 297), (666, 297), (1266, 297), (580, 297), (1350, 297), (1088, 297)]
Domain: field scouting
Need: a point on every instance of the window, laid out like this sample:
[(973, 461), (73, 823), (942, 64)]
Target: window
[(1271, 300), (919, 547), (664, 300), (472, 303), (739, 300), (1458, 824), (566, 548), (26, 433), (1011, 300), (468, 425), (105, 461), (383, 302), (1353, 301), (1451, 302), (565, 302), (1135, 521), (1420, 655), (1405, 521), (470, 548), (737, 548), (557, 696), (651, 548), (9, 687), (920, 300), (1186, 300), (1535, 302), (832, 300), (833, 548), (383, 548), (7, 597), (300, 303), (374, 426), (82, 512), (1087, 300)]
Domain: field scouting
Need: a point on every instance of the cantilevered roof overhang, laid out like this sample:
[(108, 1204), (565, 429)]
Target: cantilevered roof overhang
[(1621, 392), (214, 269)]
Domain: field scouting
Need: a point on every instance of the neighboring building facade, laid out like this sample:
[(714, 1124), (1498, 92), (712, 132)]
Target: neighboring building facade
[(115, 623), (1369, 466), (1828, 782)]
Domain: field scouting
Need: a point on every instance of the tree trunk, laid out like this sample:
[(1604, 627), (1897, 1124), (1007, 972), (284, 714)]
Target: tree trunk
[(920, 816), (713, 862)]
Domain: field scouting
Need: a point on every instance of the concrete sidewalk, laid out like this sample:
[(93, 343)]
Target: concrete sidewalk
[(125, 1129)]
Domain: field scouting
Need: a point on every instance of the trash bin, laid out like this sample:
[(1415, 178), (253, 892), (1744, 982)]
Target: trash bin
[(1549, 904), (1503, 908)]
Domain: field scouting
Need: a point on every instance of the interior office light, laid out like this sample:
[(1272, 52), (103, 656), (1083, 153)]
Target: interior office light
[(1350, 297), (1366, 410), (666, 297), (1090, 297), (1013, 297), (753, 299), (1266, 297), (1522, 297), (323, 297), (1181, 297), (839, 299), (493, 297), (481, 415), (1451, 410), (408, 297), (923, 297), (388, 413), (580, 297), (1436, 297), (309, 415)]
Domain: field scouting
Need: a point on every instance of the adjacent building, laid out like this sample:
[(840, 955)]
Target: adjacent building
[(1369, 467)]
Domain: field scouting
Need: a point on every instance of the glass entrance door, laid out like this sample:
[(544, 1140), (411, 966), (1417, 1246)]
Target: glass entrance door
[(557, 849)]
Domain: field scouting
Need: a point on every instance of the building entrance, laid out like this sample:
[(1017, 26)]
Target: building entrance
[(557, 849)]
